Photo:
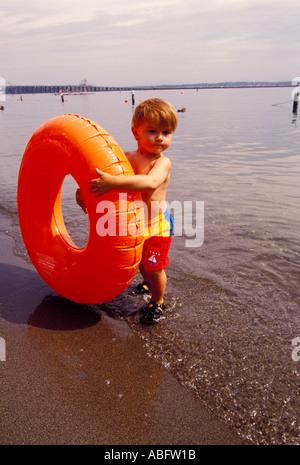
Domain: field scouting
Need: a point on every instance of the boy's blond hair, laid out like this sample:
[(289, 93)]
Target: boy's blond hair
[(157, 111)]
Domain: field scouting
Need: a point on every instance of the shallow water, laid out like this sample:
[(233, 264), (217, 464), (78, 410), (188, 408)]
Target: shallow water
[(233, 302)]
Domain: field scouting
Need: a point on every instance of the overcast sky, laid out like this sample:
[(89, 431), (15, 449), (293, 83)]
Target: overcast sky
[(136, 42)]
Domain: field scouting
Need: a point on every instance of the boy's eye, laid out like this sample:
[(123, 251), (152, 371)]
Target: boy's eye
[(153, 131)]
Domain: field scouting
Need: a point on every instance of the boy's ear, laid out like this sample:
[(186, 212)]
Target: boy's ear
[(134, 132)]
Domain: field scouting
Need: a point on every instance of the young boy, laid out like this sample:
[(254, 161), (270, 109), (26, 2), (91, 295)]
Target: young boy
[(153, 124)]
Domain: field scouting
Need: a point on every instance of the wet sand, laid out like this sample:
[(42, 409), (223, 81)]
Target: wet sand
[(75, 376)]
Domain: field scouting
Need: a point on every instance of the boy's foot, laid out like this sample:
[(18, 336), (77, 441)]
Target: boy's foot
[(153, 313), (142, 288)]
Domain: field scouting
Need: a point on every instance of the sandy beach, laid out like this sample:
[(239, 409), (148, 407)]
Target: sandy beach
[(74, 376)]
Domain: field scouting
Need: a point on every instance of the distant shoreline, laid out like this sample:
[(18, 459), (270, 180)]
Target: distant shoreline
[(86, 89)]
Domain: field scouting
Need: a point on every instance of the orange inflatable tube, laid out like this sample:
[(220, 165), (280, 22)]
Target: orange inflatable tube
[(70, 144)]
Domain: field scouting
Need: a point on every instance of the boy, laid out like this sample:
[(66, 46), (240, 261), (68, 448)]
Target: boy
[(153, 124)]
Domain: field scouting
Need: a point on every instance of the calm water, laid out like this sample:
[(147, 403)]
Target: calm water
[(233, 302)]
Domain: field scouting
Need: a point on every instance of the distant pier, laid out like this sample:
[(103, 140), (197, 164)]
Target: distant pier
[(63, 89), (77, 89), (86, 89)]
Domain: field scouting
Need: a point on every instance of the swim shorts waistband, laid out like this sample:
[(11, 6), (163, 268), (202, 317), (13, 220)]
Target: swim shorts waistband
[(161, 225)]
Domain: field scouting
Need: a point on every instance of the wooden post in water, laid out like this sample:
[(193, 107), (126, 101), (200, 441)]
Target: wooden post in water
[(295, 103)]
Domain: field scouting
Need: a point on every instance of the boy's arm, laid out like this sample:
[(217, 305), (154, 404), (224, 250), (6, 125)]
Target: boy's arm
[(139, 182)]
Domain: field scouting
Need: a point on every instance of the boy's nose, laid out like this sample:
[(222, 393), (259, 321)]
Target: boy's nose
[(159, 136)]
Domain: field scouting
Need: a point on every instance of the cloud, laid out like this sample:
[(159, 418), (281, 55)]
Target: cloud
[(156, 41), (19, 16), (53, 13)]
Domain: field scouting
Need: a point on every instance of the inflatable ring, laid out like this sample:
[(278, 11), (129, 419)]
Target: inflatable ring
[(70, 144)]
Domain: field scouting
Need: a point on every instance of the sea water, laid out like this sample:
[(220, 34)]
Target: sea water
[(232, 329)]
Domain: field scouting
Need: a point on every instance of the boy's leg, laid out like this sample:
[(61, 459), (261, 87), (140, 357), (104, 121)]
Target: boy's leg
[(153, 264), (154, 311), (158, 281), (143, 271), (144, 287)]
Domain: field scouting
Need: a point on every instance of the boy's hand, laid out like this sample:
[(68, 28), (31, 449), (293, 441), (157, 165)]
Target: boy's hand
[(102, 184)]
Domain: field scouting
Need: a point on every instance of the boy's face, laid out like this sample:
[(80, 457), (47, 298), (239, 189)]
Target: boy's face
[(152, 137)]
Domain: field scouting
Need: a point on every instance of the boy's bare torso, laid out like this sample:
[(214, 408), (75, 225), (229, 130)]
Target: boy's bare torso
[(154, 199)]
